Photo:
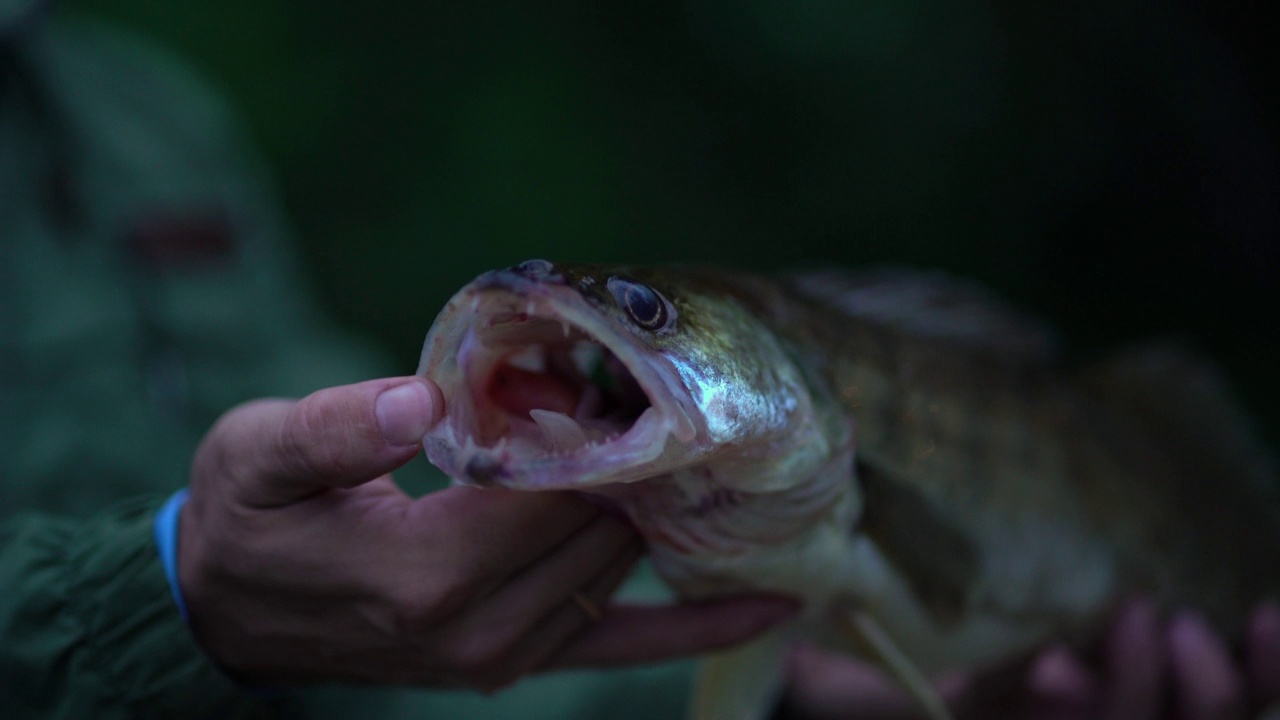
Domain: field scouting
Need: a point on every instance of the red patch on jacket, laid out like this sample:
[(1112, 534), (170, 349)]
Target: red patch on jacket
[(192, 238)]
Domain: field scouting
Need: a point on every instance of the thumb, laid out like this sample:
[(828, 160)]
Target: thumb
[(283, 451)]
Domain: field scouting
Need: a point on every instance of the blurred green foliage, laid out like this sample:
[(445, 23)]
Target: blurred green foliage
[(1112, 165)]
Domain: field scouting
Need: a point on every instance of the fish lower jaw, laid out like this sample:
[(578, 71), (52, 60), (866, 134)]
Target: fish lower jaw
[(553, 451)]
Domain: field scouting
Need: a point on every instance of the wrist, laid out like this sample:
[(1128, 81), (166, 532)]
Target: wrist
[(166, 537), (133, 644)]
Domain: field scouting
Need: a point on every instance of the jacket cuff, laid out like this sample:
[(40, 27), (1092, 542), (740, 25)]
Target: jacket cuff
[(135, 641)]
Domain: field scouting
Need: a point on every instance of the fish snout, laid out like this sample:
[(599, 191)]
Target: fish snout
[(537, 270), (521, 278)]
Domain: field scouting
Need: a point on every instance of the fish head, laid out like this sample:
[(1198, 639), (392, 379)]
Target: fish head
[(572, 377)]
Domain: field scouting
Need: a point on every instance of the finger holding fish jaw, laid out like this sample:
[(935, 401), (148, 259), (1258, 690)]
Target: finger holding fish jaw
[(1147, 668)]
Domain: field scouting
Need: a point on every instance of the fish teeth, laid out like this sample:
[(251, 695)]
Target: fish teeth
[(469, 447), (564, 325), (562, 432)]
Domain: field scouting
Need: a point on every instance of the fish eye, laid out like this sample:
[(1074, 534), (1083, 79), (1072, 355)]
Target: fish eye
[(642, 304)]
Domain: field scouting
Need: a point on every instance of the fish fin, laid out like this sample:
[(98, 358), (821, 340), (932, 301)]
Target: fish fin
[(935, 559), (1184, 397), (741, 683), (863, 632), (932, 306)]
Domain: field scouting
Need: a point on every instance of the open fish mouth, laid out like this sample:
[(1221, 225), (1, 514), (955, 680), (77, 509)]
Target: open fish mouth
[(544, 391)]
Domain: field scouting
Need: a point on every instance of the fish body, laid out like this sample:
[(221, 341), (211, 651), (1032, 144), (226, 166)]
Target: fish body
[(899, 447)]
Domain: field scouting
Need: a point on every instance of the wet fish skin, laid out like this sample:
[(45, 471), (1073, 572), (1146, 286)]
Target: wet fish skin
[(902, 441), (1146, 453)]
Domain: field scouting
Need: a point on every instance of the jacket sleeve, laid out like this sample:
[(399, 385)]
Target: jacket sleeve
[(89, 628), (111, 367)]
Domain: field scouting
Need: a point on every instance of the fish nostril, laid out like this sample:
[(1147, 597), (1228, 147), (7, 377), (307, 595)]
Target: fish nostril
[(536, 269)]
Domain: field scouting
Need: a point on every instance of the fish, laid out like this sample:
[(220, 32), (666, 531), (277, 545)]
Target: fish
[(914, 458)]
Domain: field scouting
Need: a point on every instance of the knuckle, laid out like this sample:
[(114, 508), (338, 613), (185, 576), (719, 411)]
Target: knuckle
[(455, 594), (303, 445), (420, 611), (461, 506), (477, 657), (221, 453), (416, 615)]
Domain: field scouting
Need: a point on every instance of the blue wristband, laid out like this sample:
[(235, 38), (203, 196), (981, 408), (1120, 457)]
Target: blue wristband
[(166, 529)]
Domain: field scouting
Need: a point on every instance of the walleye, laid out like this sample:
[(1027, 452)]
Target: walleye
[(900, 449)]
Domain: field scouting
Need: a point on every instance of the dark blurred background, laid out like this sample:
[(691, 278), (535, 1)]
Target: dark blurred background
[(1112, 165)]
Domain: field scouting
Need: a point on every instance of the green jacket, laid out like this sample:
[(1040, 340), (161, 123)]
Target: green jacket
[(146, 286)]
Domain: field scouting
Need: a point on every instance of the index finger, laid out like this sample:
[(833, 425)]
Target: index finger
[(631, 634), (496, 532)]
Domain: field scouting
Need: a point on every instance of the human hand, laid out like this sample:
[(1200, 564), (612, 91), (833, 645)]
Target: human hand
[(300, 560), (1146, 670)]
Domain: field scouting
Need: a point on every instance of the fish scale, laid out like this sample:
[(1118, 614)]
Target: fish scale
[(902, 450)]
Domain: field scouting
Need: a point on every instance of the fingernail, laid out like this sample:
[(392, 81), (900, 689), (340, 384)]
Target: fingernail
[(1189, 634), (1059, 674), (406, 412), (1204, 672)]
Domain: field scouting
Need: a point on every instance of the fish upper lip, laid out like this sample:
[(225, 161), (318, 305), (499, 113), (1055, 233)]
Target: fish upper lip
[(517, 279), (535, 299)]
